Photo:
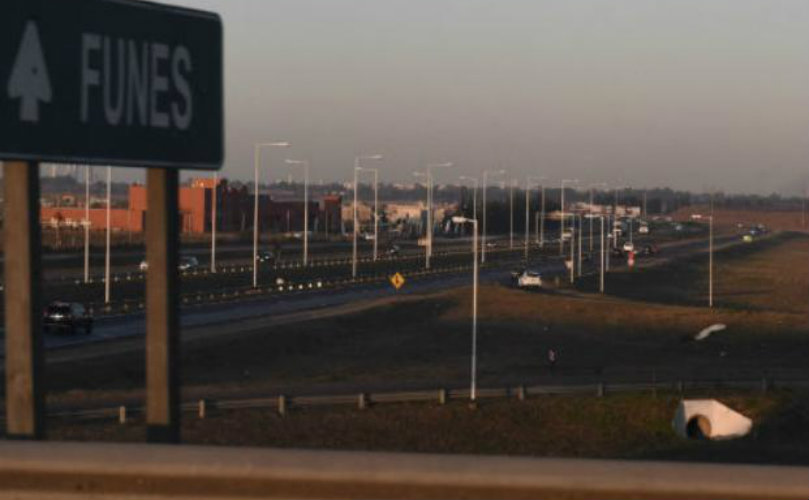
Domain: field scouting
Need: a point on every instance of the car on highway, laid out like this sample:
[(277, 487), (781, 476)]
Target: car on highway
[(67, 317), (747, 238), (491, 244), (188, 263), (529, 280), (649, 250), (265, 256), (643, 229), (628, 247)]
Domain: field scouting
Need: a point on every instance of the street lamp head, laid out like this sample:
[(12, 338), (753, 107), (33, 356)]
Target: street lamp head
[(440, 165)]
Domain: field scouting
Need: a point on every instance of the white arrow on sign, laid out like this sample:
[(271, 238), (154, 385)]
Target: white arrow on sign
[(29, 80)]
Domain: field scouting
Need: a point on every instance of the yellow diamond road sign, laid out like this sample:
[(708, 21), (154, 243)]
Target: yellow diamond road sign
[(397, 280)]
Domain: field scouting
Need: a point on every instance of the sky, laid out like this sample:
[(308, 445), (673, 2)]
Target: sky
[(689, 94)]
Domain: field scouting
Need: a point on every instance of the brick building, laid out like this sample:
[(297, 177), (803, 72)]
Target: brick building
[(235, 207)]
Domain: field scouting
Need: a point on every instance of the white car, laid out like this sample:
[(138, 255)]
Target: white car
[(188, 263), (144, 266), (529, 279), (643, 230), (629, 247)]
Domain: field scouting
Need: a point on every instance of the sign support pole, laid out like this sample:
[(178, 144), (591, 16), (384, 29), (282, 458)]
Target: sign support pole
[(24, 362), (162, 315)]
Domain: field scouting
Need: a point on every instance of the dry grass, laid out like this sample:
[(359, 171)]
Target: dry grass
[(624, 426)]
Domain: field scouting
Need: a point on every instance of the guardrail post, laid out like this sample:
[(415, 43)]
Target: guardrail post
[(362, 401), (443, 396), (521, 393), (25, 416), (122, 414), (201, 407), (282, 405), (162, 318)]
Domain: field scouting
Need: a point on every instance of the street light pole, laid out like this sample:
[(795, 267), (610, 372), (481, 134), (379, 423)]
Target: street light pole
[(483, 245), (473, 386), (573, 235), (542, 219), (581, 233), (357, 168), (256, 161), (511, 216), (527, 216), (376, 213), (601, 279), (107, 255), (305, 165), (710, 262), (562, 218), (476, 181), (430, 167), (87, 224), (213, 221), (528, 181)]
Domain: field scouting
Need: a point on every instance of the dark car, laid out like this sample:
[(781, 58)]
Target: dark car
[(265, 257), (67, 317), (649, 250)]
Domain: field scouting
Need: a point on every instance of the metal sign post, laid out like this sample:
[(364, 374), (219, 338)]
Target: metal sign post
[(103, 82), (162, 314), (21, 242)]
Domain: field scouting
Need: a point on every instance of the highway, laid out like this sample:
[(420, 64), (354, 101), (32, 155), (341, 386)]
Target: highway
[(298, 305)]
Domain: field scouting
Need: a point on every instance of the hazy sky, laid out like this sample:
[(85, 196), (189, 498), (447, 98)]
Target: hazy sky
[(690, 94)]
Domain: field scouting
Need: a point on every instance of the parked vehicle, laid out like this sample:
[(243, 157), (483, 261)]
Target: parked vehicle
[(67, 317), (529, 279)]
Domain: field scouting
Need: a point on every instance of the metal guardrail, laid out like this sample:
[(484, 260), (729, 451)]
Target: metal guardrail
[(282, 403), (54, 470)]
